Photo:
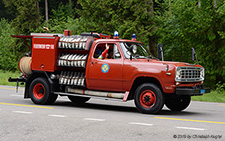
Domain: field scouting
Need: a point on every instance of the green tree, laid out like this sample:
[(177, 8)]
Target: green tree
[(27, 16), (8, 54), (6, 13), (60, 19), (125, 16), (199, 24)]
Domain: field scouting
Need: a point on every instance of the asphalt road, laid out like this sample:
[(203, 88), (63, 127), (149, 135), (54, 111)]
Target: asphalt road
[(21, 120)]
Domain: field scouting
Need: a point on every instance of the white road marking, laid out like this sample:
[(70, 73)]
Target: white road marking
[(94, 119), (16, 95), (191, 128), (57, 116), (22, 112), (137, 123)]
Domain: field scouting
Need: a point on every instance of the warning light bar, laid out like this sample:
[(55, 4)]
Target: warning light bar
[(116, 35)]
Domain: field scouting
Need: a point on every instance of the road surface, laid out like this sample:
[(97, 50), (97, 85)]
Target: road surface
[(106, 120)]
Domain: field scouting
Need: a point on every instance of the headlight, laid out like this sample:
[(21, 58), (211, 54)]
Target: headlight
[(202, 73), (178, 73)]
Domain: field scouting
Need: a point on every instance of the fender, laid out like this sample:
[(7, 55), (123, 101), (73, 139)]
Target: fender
[(140, 79), (36, 74), (145, 76)]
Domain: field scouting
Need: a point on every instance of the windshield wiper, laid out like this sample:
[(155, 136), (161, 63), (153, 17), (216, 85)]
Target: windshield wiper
[(151, 57)]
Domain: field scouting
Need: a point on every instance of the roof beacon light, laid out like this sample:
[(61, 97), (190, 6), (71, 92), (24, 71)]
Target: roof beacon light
[(116, 35), (134, 37)]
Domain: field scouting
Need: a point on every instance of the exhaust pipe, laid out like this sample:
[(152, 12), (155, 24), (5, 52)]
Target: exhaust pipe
[(96, 93)]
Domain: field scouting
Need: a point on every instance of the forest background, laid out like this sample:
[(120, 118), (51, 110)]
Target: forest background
[(178, 24)]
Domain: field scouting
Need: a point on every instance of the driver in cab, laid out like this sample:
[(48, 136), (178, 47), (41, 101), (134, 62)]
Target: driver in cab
[(107, 53)]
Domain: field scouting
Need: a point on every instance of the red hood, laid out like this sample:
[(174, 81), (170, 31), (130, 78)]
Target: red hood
[(170, 63), (176, 63)]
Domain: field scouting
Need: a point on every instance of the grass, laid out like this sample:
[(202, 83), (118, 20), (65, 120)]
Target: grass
[(214, 96), (4, 75)]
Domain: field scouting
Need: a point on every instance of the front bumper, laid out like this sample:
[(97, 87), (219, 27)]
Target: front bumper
[(191, 91)]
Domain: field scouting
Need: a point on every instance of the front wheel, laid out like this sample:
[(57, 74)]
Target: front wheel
[(179, 103), (40, 91), (149, 98)]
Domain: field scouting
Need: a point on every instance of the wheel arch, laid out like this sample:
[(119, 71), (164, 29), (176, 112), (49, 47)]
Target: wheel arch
[(32, 76), (141, 80)]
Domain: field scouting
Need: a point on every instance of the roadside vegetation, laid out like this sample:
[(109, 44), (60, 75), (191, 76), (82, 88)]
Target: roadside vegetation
[(4, 75), (217, 95), (214, 96)]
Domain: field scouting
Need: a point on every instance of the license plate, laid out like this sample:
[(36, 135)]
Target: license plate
[(202, 91)]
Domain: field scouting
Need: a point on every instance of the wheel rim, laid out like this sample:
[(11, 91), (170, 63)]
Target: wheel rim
[(147, 98), (39, 91)]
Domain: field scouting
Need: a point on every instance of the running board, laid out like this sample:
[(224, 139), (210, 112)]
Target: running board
[(90, 93)]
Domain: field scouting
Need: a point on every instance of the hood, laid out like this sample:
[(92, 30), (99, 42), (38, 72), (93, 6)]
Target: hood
[(176, 63), (169, 63), (173, 63)]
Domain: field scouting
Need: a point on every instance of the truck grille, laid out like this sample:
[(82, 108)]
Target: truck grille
[(189, 74)]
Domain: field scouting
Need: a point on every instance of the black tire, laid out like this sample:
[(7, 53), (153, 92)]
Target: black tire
[(179, 103), (40, 91), (149, 98), (78, 99)]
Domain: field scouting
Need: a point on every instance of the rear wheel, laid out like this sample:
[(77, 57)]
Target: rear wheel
[(40, 92), (148, 98), (179, 103), (78, 100)]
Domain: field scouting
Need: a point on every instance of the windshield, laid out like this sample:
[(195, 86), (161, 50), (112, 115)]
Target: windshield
[(140, 53)]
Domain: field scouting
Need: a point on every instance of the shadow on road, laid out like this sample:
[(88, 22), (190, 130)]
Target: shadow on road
[(105, 107), (98, 107)]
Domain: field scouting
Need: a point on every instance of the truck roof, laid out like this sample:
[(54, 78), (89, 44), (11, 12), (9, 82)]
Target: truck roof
[(97, 37), (117, 40)]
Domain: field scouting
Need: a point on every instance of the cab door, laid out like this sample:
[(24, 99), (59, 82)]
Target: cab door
[(105, 74)]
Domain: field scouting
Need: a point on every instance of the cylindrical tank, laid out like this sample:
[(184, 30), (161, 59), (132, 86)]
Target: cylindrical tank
[(25, 65)]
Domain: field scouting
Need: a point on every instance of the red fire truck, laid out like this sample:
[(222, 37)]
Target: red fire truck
[(65, 65)]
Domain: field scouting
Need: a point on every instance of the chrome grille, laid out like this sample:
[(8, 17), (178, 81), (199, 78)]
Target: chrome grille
[(189, 74)]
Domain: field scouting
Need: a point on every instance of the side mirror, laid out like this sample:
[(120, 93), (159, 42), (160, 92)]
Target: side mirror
[(193, 54), (132, 50), (160, 52)]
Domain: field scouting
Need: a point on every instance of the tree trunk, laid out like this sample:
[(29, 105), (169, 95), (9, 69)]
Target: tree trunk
[(215, 3), (152, 45), (38, 10), (152, 40), (70, 4), (199, 4), (181, 51), (46, 10)]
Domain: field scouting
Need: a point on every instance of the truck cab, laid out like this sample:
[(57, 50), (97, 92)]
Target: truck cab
[(72, 66)]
